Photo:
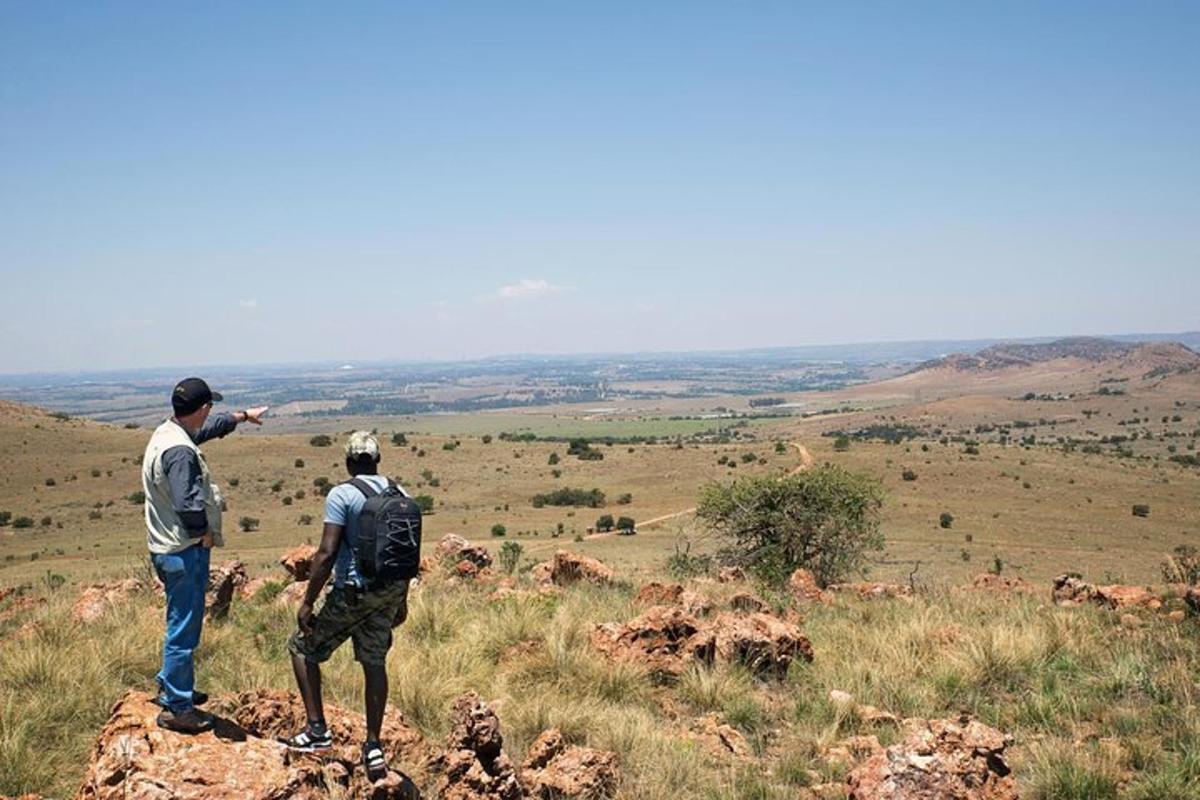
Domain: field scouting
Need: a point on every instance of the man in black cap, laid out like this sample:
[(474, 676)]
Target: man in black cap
[(183, 522)]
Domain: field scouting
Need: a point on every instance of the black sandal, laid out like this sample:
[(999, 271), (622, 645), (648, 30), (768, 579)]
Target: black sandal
[(374, 761)]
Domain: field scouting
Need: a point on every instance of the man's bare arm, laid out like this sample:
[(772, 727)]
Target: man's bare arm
[(322, 566)]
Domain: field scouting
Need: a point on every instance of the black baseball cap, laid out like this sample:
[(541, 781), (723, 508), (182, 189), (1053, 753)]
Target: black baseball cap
[(190, 394)]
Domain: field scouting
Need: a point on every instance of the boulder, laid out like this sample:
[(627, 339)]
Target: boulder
[(804, 588), (959, 758), (554, 769), (453, 549), (720, 739), (762, 642), (298, 561), (134, 759), (99, 597), (449, 545), (466, 570), (542, 572), (473, 765), (665, 639), (223, 581), (659, 639), (1070, 590), (748, 603), (271, 713), (1002, 584), (1118, 596), (568, 568), (874, 591), (730, 574)]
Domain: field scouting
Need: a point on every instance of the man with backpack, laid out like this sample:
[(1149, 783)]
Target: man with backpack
[(371, 544)]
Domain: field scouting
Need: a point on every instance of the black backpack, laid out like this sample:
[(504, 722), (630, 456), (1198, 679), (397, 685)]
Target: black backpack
[(389, 535)]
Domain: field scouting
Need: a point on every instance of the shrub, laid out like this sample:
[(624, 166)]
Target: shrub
[(605, 523), (399, 439), (1141, 510), (136, 498), (95, 515), (945, 519), (908, 475), (487, 439), (553, 459), (451, 445), (299, 463), (51, 482), (626, 525), (499, 530), (320, 440), (510, 556), (248, 524), (424, 502), (286, 500), (625, 499), (682, 564), (5, 518), (305, 519), (95, 473), (23, 522), (234, 482), (780, 448), (277, 487), (841, 443), (47, 522), (824, 519), (749, 458), (592, 498)]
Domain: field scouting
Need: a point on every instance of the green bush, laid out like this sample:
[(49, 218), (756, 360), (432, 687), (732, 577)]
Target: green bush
[(424, 502), (1141, 510), (248, 524), (510, 556), (299, 463), (399, 439), (908, 475), (605, 523), (591, 498), (320, 440), (626, 525), (499, 530), (945, 519), (841, 443), (136, 498), (825, 519), (23, 522)]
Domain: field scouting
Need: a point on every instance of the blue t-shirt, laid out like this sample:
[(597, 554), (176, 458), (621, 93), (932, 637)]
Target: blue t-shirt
[(342, 507)]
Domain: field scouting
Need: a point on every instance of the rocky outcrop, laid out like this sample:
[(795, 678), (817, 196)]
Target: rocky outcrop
[(473, 765), (453, 549), (134, 759), (959, 758), (568, 568), (1070, 590), (666, 639), (100, 597), (223, 582), (719, 738), (805, 589), (661, 594), (298, 561), (554, 769)]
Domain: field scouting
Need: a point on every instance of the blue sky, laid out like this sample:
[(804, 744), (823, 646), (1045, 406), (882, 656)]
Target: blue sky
[(240, 183)]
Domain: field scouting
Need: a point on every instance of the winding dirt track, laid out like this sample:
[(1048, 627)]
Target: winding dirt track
[(806, 461)]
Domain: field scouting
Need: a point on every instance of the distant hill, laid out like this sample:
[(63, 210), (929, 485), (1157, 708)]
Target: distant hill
[(1149, 357)]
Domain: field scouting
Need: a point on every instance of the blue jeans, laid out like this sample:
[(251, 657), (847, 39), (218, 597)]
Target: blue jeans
[(185, 576)]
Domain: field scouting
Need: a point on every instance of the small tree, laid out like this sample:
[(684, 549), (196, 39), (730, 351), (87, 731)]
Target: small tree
[(299, 463), (825, 519), (424, 502), (399, 439), (487, 439), (23, 522), (841, 443), (499, 530), (908, 475), (136, 498), (248, 524), (625, 525), (945, 519), (553, 459), (605, 523), (1141, 510), (510, 556), (320, 440)]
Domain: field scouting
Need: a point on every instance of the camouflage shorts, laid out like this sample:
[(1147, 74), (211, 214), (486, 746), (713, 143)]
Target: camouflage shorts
[(365, 617)]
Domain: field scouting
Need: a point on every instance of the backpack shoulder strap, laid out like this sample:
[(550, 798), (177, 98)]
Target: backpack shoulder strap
[(367, 489)]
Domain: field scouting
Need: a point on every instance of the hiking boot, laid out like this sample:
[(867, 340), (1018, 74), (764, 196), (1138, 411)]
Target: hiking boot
[(189, 722), (374, 761), (309, 741)]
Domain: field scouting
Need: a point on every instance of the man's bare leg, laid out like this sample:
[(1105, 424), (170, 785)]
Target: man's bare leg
[(308, 678)]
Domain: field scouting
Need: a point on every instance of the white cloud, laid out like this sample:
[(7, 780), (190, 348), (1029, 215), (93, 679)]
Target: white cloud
[(248, 303), (526, 289)]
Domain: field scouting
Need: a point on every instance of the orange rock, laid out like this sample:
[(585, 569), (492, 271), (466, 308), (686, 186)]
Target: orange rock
[(298, 561), (473, 765), (1002, 584), (960, 758), (805, 589), (568, 568), (99, 597), (553, 769), (874, 591), (1118, 596)]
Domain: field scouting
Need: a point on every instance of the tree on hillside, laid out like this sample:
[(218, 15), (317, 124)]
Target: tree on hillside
[(824, 519)]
